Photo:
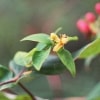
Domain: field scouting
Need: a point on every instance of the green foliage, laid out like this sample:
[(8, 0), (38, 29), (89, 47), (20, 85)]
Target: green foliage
[(6, 86), (24, 58), (40, 37), (41, 46), (39, 54), (23, 97), (52, 66), (21, 59), (23, 11), (91, 49), (36, 59), (5, 75), (39, 57), (3, 97), (15, 67), (66, 57), (42, 53)]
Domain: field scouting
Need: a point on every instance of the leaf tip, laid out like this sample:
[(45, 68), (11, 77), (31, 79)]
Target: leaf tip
[(21, 40), (37, 68), (73, 74)]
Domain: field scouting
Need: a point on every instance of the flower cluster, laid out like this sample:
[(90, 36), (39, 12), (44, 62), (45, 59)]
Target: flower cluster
[(90, 24), (59, 42)]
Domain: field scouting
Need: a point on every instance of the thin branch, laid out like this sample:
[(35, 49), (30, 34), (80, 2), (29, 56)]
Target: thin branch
[(13, 79), (23, 87), (20, 84), (26, 90)]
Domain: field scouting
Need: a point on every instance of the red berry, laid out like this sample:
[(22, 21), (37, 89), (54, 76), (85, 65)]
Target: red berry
[(83, 26), (90, 17), (97, 8)]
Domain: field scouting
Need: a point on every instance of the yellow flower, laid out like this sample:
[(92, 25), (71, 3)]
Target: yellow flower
[(57, 47), (54, 37), (64, 39), (59, 41)]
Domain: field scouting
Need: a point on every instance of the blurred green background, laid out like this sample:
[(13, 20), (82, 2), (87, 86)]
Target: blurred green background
[(19, 18)]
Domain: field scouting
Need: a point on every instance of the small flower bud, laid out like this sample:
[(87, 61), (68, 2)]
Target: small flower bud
[(90, 17), (83, 26), (97, 8), (64, 39)]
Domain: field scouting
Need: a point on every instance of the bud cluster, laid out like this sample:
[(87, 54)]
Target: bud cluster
[(90, 24)]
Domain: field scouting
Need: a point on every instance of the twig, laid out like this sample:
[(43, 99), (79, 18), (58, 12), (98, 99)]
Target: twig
[(26, 90), (20, 84), (13, 79)]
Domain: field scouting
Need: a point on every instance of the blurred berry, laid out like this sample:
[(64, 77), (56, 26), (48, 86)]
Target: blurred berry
[(90, 17), (83, 26), (97, 8)]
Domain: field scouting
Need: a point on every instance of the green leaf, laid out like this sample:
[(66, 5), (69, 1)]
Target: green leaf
[(23, 58), (67, 60), (40, 46), (40, 37), (95, 94), (91, 49), (3, 97), (20, 58), (27, 97), (17, 69), (23, 97), (52, 66), (5, 75), (31, 52), (39, 57)]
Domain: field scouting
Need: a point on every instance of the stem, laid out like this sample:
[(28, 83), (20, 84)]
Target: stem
[(60, 28), (27, 91), (13, 79), (24, 88), (74, 38)]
